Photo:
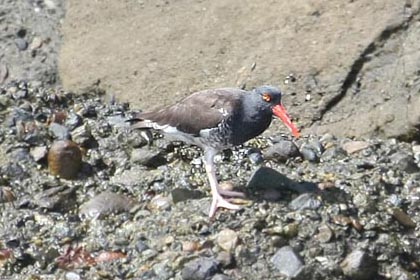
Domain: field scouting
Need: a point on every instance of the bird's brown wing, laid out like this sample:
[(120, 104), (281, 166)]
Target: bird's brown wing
[(200, 110)]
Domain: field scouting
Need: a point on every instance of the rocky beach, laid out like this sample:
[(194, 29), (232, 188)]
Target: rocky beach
[(82, 196)]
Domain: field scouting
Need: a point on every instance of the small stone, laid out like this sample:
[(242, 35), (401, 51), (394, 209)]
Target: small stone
[(282, 151), (58, 131), (72, 276), (354, 146), (200, 269), (325, 234), (106, 203), (404, 162), (83, 136), (148, 157), (309, 153), (160, 203), (255, 156), (190, 246), (358, 265), (221, 277), (39, 153), (225, 259), (287, 261), (268, 178), (21, 44), (72, 121), (64, 159), (36, 43), (416, 148), (182, 194), (55, 198), (402, 218), (4, 73), (305, 201), (227, 239)]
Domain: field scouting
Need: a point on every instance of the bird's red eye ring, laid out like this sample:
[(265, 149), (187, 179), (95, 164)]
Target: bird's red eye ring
[(266, 97)]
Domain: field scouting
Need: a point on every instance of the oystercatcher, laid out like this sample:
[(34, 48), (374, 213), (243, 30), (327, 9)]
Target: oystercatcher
[(218, 119)]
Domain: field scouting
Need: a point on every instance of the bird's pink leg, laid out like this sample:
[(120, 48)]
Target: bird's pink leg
[(218, 200)]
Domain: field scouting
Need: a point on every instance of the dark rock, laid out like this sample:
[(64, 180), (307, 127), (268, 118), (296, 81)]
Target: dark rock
[(287, 261), (200, 269), (59, 132), (359, 265), (404, 162), (268, 178), (148, 157), (305, 201), (72, 121), (56, 199), (282, 151), (182, 194)]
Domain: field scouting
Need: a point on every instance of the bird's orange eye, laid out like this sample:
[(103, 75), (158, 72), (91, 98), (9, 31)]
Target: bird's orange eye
[(266, 97)]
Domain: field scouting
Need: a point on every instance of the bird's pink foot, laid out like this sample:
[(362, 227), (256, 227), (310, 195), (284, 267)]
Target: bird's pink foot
[(219, 201)]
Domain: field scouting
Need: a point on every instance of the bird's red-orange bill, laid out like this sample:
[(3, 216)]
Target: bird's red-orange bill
[(281, 113)]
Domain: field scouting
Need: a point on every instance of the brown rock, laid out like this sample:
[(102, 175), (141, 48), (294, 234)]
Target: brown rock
[(64, 159)]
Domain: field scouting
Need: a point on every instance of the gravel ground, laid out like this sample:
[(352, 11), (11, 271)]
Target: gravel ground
[(317, 208), (83, 197)]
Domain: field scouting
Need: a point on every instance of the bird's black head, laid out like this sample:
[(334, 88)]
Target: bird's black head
[(269, 98), (269, 95)]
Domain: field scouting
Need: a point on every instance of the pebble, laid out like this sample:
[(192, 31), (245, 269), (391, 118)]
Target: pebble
[(282, 151), (221, 277), (36, 43), (402, 217), (39, 153), (82, 135), (255, 156), (325, 234), (104, 204), (287, 262), (72, 121), (201, 268), (183, 194), (21, 44), (309, 153), (190, 246), (160, 203), (55, 198), (225, 259), (64, 159), (354, 146), (4, 73), (404, 162), (358, 265), (147, 157), (58, 131), (305, 201), (227, 239), (268, 178)]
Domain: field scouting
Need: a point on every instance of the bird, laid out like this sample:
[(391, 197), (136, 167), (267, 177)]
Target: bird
[(216, 120)]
